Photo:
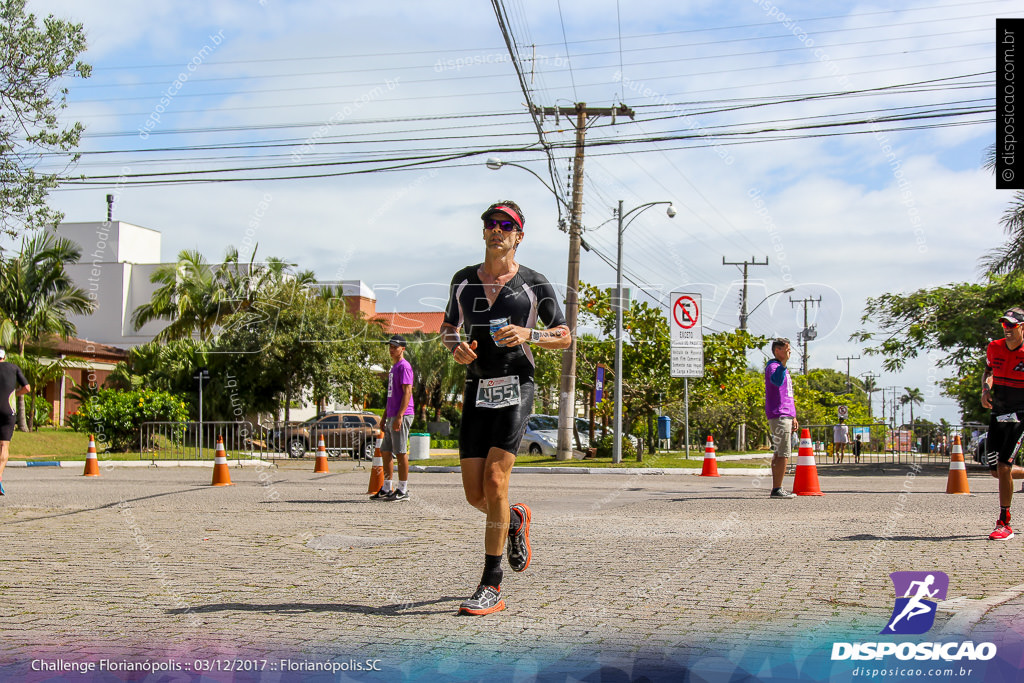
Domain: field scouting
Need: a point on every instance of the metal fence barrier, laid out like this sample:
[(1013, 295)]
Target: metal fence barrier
[(245, 440), (197, 441)]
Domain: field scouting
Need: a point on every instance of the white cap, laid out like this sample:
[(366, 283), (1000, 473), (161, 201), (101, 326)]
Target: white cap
[(3, 353)]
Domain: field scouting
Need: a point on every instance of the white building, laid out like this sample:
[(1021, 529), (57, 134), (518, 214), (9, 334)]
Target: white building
[(117, 262)]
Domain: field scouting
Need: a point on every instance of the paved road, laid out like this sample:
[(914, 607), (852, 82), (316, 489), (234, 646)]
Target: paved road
[(641, 573)]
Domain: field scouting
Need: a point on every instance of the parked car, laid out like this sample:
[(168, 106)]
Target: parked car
[(977, 448), (344, 431), (541, 437)]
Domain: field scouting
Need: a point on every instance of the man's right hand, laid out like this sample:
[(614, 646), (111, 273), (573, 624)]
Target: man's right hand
[(464, 353)]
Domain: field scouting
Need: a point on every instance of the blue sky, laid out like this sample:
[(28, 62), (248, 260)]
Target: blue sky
[(844, 217)]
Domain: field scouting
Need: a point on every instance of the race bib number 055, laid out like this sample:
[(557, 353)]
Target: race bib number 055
[(498, 392)]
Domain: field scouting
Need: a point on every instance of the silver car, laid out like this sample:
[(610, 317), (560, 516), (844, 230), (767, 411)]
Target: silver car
[(541, 437)]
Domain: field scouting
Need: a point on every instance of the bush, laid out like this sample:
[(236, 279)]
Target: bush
[(115, 416), (43, 410), (443, 443), (604, 446)]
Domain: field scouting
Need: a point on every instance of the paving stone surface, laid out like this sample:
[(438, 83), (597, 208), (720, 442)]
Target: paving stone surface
[(153, 563)]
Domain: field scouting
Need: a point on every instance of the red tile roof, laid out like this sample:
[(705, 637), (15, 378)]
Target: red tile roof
[(87, 350), (427, 322)]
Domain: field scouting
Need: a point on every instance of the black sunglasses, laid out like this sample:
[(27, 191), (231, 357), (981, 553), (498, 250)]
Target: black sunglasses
[(506, 226)]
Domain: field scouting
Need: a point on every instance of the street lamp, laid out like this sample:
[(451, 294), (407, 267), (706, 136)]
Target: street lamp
[(746, 316), (494, 163), (671, 212)]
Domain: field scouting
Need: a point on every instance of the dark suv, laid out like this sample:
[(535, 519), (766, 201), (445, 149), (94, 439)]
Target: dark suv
[(353, 432)]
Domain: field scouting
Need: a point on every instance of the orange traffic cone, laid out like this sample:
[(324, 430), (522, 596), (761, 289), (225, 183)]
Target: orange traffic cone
[(221, 475), (957, 481), (710, 468), (805, 483), (377, 470), (92, 463), (321, 457)]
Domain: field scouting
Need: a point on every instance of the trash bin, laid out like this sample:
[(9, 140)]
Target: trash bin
[(664, 427), (419, 446)]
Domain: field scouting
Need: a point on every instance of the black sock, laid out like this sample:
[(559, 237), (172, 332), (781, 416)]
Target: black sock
[(1004, 515), (514, 521), (492, 571)]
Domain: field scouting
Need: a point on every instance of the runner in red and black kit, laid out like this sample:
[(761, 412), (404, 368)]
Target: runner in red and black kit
[(498, 303), (1002, 391), (12, 385)]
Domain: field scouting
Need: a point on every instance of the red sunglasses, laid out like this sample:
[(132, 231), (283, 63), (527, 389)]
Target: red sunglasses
[(1008, 326)]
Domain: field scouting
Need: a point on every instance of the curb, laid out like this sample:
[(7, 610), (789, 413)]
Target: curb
[(132, 463), (638, 471)]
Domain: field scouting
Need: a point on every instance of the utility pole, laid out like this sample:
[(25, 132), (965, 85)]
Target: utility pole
[(808, 333), (869, 379), (743, 294), (849, 387), (567, 384)]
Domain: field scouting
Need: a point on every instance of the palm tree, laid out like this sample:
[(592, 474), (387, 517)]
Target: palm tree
[(1009, 257), (911, 396), (197, 297), (870, 387), (36, 296)]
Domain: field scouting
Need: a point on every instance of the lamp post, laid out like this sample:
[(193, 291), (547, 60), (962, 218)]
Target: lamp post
[(671, 212)]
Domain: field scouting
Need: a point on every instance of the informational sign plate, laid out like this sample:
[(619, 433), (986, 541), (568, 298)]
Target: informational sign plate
[(687, 335)]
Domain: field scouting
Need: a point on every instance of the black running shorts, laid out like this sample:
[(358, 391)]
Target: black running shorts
[(487, 428), (1003, 438), (6, 426)]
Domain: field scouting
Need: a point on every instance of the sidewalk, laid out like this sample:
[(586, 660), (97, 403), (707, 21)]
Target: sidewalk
[(640, 573)]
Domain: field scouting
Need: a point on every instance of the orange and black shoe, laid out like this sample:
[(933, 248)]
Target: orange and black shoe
[(518, 546), (486, 600)]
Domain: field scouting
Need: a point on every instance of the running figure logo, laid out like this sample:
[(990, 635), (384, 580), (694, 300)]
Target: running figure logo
[(913, 611)]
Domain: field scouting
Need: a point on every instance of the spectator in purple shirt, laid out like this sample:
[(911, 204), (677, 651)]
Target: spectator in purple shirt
[(780, 408), (397, 423)]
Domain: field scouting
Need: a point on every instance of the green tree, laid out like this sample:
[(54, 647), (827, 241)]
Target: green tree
[(197, 297), (951, 325), (299, 344), (34, 60), (36, 296), (645, 351)]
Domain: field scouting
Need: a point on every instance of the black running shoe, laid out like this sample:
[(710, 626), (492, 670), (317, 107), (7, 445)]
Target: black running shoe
[(485, 600), (518, 546), (381, 494), (397, 494)]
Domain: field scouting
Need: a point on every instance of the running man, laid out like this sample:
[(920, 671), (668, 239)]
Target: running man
[(12, 385), (498, 303), (914, 605), (1002, 391)]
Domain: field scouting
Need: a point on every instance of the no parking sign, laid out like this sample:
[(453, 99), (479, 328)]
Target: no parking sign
[(687, 335)]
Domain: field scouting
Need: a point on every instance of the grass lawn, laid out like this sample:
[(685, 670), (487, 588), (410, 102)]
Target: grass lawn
[(662, 459), (62, 443)]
